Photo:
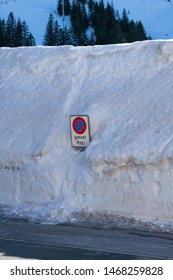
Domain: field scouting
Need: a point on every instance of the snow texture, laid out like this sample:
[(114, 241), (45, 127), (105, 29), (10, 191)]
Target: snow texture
[(126, 172)]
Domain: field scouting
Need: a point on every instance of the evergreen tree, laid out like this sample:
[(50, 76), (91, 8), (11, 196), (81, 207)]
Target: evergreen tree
[(107, 25), (19, 38), (79, 22), (76, 18), (15, 33), (54, 35), (22, 35), (85, 20), (117, 16), (125, 21), (91, 5), (141, 32), (56, 30), (67, 7), (136, 32), (26, 33), (30, 40), (83, 2), (132, 34), (3, 39), (67, 36), (49, 37), (11, 30)]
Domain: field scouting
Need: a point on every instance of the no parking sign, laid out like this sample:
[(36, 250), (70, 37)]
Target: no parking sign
[(79, 126)]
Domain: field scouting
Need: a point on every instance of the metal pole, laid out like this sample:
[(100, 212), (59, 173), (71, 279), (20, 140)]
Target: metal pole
[(63, 18)]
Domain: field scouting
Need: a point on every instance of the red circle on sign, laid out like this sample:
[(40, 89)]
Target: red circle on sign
[(79, 125)]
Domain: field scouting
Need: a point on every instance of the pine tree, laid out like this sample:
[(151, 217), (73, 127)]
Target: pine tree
[(132, 34), (125, 26), (11, 30), (49, 37), (67, 36), (57, 34), (19, 38), (30, 41), (83, 2), (3, 39), (105, 24), (91, 5), (67, 7), (54, 35), (22, 35), (25, 32), (136, 32), (141, 32), (85, 20), (125, 21), (108, 27), (15, 33), (79, 22)]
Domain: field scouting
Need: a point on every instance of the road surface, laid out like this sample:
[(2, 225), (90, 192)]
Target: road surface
[(24, 240)]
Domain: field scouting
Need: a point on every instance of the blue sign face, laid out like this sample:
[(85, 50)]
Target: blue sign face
[(79, 125)]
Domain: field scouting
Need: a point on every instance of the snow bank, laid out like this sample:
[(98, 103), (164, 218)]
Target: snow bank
[(127, 170)]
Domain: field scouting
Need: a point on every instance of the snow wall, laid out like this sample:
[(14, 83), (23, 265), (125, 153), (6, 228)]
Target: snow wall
[(126, 171)]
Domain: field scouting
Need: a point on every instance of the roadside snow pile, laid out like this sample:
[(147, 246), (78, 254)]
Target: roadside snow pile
[(126, 171)]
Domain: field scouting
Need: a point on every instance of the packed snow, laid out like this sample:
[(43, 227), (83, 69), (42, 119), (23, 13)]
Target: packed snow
[(156, 15), (126, 171)]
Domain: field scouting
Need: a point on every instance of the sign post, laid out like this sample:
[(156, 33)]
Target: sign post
[(79, 126)]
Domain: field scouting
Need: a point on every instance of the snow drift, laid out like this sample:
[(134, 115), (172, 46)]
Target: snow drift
[(126, 171)]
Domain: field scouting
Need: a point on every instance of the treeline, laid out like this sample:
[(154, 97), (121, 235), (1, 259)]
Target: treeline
[(15, 33), (92, 23)]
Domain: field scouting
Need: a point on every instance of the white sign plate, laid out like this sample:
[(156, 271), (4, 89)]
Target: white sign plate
[(79, 126)]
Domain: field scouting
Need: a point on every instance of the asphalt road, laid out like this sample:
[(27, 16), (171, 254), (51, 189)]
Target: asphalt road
[(23, 240)]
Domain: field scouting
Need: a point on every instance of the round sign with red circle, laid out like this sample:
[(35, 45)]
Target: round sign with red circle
[(79, 125)]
